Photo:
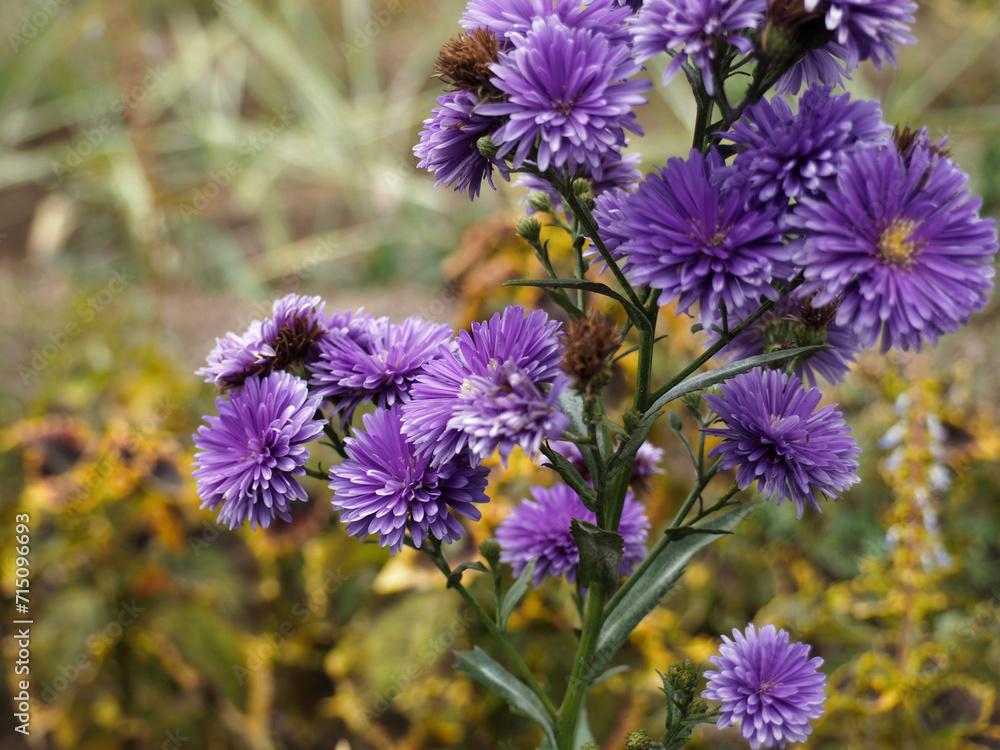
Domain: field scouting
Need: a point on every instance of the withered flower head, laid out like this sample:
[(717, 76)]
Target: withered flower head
[(792, 29), (464, 62), (905, 139), (818, 317), (587, 345)]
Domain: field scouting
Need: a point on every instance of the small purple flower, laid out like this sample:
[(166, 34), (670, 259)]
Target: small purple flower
[(610, 212), (617, 172), (252, 452), (691, 28), (697, 241), (790, 155), (505, 18), (539, 530), (381, 369), (449, 147), (385, 488), (768, 684), (286, 339), (497, 388), (901, 242), (795, 322), (818, 67), (566, 90), (868, 28), (774, 436)]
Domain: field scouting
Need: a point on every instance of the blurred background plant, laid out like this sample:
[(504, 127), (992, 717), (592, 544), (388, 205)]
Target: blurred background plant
[(167, 168)]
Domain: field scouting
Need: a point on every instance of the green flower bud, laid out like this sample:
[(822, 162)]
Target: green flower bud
[(529, 228), (539, 200), (490, 550), (638, 740), (486, 147)]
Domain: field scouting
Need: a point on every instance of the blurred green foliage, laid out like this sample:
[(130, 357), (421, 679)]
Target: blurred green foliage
[(230, 148)]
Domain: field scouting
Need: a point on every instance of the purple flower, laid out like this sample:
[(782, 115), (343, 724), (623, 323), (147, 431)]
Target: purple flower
[(380, 369), (385, 488), (774, 436), (818, 67), (286, 339), (566, 89), (698, 241), (900, 241), (691, 28), (768, 684), (610, 212), (252, 452), (449, 147), (617, 172), (791, 155), (506, 18), (496, 389), (868, 28), (539, 530), (795, 322)]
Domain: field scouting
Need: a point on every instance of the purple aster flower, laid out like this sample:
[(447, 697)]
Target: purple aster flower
[(284, 340), (900, 241), (774, 436), (697, 240), (791, 155), (617, 172), (539, 530), (868, 28), (566, 89), (252, 452), (385, 488), (497, 388), (449, 144), (768, 684), (795, 322), (507, 18), (380, 369), (818, 67), (691, 28), (610, 212)]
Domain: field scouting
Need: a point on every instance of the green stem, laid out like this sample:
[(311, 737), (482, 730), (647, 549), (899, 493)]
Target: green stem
[(644, 371), (695, 493), (722, 503), (433, 551), (581, 677)]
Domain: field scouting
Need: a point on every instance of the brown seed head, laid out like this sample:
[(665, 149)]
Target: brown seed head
[(291, 346), (588, 343), (818, 317), (464, 62)]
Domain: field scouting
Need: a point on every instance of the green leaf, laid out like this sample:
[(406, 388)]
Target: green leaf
[(706, 379), (634, 441), (600, 553), (571, 476), (515, 593), (486, 671), (656, 581), (636, 314), (456, 574)]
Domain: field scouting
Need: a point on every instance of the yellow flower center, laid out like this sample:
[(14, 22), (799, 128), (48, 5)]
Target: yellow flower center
[(895, 246)]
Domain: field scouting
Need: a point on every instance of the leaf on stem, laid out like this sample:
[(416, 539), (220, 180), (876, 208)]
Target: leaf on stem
[(486, 671), (456, 575), (515, 593), (600, 554)]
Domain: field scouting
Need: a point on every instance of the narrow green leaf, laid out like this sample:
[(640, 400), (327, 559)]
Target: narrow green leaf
[(600, 553), (706, 379), (515, 593), (456, 574), (487, 671), (571, 476), (656, 581)]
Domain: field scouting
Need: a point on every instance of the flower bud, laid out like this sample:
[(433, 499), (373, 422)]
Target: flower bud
[(539, 200), (490, 550), (486, 147), (529, 228), (638, 740)]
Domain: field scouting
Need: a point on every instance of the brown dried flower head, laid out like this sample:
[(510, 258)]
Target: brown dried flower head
[(587, 345), (464, 62)]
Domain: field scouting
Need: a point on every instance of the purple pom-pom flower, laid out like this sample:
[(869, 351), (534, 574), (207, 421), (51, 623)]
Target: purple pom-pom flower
[(868, 29), (497, 388), (505, 18), (381, 368), (539, 530), (251, 453), (901, 243), (775, 437), (767, 684), (691, 29), (567, 90), (698, 241), (385, 488)]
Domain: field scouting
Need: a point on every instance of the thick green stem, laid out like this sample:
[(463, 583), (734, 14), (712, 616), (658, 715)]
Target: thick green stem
[(581, 676), (434, 553)]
